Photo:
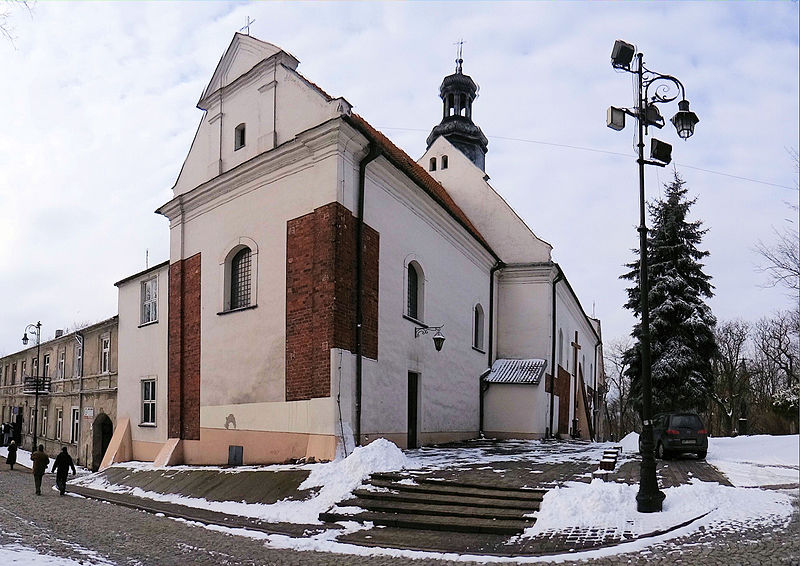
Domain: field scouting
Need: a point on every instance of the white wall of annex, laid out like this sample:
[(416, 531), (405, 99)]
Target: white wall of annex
[(142, 354)]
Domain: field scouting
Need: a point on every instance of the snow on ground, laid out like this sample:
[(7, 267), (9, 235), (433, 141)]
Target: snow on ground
[(612, 507), (17, 553), (336, 481), (24, 460), (748, 461)]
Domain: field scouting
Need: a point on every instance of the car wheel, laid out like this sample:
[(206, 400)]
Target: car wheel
[(702, 455)]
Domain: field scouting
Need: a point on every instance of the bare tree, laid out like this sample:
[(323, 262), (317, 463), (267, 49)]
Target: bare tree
[(6, 8), (782, 257), (731, 375), (618, 406)]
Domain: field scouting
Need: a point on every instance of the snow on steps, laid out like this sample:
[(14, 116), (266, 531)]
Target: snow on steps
[(609, 460), (397, 500)]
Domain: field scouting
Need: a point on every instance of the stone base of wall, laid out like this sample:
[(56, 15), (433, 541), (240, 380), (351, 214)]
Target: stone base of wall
[(425, 438), (258, 447), (505, 435)]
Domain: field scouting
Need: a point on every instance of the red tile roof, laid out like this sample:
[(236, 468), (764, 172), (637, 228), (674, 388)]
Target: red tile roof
[(416, 173)]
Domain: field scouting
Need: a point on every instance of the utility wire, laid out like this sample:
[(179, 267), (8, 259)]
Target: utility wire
[(617, 153)]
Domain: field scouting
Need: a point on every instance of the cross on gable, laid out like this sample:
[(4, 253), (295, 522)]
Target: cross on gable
[(246, 27)]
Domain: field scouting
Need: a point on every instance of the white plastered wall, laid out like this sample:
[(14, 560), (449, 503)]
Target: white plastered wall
[(142, 354), (456, 277)]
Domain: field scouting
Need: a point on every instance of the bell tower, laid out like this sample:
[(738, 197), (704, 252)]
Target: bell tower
[(458, 91)]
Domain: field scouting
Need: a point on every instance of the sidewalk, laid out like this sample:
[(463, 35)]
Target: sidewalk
[(473, 465)]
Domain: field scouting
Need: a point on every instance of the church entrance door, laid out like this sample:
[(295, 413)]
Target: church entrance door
[(413, 416)]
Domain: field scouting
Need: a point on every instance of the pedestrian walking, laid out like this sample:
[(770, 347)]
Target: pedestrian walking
[(40, 461), (61, 466), (11, 459)]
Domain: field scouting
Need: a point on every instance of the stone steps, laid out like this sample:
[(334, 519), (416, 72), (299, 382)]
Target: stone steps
[(392, 500)]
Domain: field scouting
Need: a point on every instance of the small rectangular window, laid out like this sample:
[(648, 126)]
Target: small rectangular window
[(149, 401), (149, 300), (62, 362), (46, 365), (59, 422), (31, 421), (239, 137), (43, 431)]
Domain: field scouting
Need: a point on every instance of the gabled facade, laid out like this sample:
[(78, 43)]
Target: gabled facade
[(311, 261)]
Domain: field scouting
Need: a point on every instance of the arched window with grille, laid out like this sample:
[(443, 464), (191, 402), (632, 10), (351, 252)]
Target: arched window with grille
[(240, 279)]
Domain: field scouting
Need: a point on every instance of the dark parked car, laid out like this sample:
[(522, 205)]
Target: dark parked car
[(676, 433)]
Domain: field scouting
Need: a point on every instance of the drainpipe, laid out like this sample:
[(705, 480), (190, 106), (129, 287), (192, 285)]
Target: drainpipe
[(559, 276), (372, 154), (485, 386)]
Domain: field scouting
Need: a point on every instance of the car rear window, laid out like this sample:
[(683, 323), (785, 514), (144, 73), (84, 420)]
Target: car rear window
[(686, 421)]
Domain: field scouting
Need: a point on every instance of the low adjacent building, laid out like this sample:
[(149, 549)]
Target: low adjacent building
[(77, 401)]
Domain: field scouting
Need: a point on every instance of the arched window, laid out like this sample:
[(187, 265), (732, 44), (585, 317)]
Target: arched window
[(414, 286), (444, 162), (240, 279), (239, 137), (432, 165), (477, 330)]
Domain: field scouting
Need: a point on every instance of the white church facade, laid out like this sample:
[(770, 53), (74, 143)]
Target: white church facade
[(314, 270)]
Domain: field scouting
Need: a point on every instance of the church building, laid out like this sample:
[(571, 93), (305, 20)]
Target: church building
[(325, 289)]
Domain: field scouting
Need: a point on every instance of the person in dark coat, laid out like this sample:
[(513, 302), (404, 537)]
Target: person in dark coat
[(11, 459), (40, 461), (61, 466)]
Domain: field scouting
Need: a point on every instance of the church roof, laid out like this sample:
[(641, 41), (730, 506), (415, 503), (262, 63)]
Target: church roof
[(516, 371), (422, 178)]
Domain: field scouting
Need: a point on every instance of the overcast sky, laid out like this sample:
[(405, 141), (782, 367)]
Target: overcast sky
[(98, 113)]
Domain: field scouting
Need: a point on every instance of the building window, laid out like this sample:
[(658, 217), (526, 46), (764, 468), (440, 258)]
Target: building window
[(105, 350), (43, 432), (62, 363), (77, 371), (59, 422), (31, 420), (149, 401), (14, 373), (240, 279), (23, 369), (444, 162), (432, 164), (149, 300), (76, 419), (239, 137), (34, 366), (477, 331), (414, 288), (46, 365)]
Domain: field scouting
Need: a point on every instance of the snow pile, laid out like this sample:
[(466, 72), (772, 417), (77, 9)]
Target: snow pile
[(336, 479), (630, 443), (752, 461), (611, 507)]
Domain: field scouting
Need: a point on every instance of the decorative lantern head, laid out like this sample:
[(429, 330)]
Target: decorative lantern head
[(685, 120)]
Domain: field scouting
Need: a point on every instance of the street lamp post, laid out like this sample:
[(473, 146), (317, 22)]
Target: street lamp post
[(650, 498), (37, 329)]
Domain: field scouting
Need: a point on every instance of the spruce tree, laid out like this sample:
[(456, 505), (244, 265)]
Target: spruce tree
[(682, 342)]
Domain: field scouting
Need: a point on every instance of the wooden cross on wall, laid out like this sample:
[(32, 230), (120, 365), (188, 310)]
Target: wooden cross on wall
[(575, 348)]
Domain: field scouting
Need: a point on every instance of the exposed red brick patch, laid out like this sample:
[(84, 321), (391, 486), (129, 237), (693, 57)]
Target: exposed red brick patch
[(320, 296), (183, 387)]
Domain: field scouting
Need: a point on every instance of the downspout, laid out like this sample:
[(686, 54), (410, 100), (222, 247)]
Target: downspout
[(559, 276), (484, 387), (372, 154), (596, 411)]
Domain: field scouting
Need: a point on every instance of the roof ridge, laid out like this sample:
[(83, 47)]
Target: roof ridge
[(418, 174)]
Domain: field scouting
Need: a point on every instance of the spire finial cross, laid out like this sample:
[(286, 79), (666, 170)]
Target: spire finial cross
[(246, 27), (459, 60)]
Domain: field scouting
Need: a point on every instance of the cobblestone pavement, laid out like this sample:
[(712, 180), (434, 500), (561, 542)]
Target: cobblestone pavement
[(99, 533)]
